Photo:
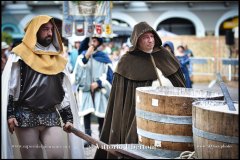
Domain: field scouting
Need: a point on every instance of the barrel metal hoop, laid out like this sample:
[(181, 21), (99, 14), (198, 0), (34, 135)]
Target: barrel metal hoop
[(163, 118), (214, 137), (164, 137), (163, 153)]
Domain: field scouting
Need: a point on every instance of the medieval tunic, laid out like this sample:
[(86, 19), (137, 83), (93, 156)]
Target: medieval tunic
[(34, 84), (36, 97), (135, 69), (95, 69)]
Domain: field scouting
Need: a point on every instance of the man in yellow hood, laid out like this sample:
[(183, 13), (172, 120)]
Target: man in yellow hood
[(37, 97)]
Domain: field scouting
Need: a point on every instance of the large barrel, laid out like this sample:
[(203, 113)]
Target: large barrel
[(215, 130), (164, 117)]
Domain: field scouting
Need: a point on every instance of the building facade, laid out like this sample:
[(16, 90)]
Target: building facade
[(183, 18)]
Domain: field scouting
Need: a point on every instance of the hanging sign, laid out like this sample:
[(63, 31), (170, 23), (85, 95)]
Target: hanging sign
[(108, 29), (89, 29), (98, 29), (79, 28), (67, 28)]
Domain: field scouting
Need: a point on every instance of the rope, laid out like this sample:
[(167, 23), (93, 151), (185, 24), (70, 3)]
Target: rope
[(187, 155), (155, 67)]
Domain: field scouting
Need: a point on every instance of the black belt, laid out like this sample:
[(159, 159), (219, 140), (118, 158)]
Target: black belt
[(37, 110), (22, 107)]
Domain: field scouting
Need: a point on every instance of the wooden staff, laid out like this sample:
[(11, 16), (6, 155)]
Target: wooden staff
[(121, 153), (94, 141), (155, 68)]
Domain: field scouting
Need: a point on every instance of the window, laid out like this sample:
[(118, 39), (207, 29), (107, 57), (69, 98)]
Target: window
[(179, 26)]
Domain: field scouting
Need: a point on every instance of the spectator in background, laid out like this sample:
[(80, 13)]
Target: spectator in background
[(124, 49), (115, 57), (184, 61), (73, 54), (108, 48), (169, 46), (189, 53), (83, 45), (93, 76), (4, 57), (66, 55), (14, 44)]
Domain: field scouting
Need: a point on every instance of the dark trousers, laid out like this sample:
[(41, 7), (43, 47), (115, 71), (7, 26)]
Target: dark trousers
[(87, 124)]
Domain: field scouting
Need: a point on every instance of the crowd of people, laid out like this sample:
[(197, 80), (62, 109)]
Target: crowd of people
[(39, 99), (183, 54)]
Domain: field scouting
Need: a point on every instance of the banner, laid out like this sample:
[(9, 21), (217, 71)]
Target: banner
[(91, 18), (67, 28), (108, 20), (79, 28), (98, 29), (90, 27)]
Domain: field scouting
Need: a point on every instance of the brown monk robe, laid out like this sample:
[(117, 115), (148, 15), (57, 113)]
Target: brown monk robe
[(135, 69)]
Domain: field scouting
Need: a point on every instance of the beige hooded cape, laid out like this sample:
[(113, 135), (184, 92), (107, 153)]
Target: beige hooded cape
[(46, 62)]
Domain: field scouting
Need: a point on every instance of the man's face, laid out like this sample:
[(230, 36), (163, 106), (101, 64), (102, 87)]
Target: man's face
[(146, 41), (94, 42), (180, 49), (45, 34)]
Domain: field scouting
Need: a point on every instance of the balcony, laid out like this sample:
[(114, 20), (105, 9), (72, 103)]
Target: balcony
[(44, 3)]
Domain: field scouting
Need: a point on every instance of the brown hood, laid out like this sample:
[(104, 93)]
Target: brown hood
[(137, 65), (138, 30)]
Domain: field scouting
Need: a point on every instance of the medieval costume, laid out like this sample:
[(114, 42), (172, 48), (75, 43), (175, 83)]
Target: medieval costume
[(36, 89), (4, 56), (98, 69), (135, 69), (184, 62)]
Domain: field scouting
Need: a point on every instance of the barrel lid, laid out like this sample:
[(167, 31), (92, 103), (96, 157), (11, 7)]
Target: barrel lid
[(179, 92), (216, 105)]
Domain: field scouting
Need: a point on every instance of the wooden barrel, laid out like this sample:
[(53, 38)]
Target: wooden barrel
[(215, 130), (164, 117)]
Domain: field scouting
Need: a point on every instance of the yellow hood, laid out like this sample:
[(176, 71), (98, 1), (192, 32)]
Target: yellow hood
[(45, 62)]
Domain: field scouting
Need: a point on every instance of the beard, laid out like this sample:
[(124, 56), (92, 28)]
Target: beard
[(45, 41)]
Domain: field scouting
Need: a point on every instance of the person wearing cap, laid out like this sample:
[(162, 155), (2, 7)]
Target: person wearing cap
[(168, 45), (135, 69), (4, 58), (184, 61), (37, 100), (93, 77)]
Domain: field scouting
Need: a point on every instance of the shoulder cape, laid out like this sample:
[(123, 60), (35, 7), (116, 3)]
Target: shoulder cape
[(137, 65)]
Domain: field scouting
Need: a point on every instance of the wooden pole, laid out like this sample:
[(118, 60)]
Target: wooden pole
[(155, 68), (94, 141), (120, 153)]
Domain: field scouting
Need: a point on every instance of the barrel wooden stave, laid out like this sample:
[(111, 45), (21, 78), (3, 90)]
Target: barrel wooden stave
[(167, 105), (161, 128), (170, 105), (219, 123)]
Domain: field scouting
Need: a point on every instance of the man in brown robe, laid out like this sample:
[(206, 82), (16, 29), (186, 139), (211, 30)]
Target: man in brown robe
[(135, 69)]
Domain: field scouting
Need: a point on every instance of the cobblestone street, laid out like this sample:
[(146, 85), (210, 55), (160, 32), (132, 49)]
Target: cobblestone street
[(90, 151)]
